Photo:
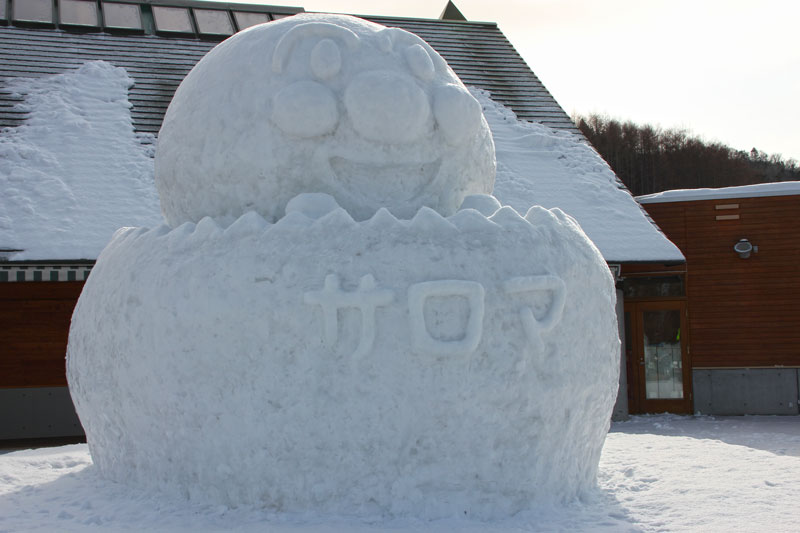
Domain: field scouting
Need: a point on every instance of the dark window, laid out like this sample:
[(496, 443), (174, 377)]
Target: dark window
[(172, 19), (78, 12), (245, 20), (122, 16), (654, 287), (213, 22), (34, 11)]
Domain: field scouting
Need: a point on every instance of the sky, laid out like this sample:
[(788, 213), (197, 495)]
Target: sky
[(727, 70)]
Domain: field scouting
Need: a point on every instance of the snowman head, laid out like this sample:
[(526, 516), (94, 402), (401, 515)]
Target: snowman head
[(321, 103)]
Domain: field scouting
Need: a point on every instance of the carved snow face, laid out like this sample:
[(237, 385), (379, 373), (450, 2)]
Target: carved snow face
[(321, 103)]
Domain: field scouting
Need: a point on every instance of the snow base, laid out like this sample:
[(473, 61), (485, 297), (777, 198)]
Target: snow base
[(427, 368)]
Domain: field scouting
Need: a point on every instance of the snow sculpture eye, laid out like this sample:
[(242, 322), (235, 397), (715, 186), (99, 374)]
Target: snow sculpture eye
[(387, 107), (457, 112), (305, 109), (420, 62), (310, 29), (326, 59)]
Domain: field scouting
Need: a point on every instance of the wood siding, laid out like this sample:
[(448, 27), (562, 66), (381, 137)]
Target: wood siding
[(742, 312), (35, 321)]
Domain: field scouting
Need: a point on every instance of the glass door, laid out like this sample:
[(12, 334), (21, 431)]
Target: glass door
[(659, 373)]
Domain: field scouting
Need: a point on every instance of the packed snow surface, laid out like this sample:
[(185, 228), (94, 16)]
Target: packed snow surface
[(371, 115), (426, 368), (781, 188), (537, 165), (74, 172), (657, 473)]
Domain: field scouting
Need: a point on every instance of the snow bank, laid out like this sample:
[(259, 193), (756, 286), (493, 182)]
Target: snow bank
[(537, 165), (426, 368), (327, 103), (781, 188), (74, 172)]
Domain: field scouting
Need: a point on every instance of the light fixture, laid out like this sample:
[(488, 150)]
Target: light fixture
[(744, 248)]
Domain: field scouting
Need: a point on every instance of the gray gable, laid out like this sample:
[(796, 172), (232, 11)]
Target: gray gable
[(478, 52)]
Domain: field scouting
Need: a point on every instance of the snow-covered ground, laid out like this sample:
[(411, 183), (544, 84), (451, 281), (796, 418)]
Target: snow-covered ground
[(657, 473)]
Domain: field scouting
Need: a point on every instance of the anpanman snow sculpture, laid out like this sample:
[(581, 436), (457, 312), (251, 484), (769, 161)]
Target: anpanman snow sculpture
[(337, 317), (371, 115)]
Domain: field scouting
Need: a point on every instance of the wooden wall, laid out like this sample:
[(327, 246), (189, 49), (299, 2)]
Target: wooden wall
[(742, 312), (35, 318)]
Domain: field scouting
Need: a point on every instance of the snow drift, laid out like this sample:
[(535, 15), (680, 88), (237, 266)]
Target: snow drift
[(75, 171)]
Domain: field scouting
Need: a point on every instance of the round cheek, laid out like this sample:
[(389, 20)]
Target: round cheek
[(305, 109), (457, 112)]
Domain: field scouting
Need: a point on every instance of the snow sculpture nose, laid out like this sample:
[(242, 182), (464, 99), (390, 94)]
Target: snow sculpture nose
[(387, 107), (305, 109)]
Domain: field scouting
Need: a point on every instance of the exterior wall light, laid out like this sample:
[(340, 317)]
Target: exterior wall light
[(744, 248)]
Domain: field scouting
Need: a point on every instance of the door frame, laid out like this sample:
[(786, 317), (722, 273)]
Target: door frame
[(634, 346)]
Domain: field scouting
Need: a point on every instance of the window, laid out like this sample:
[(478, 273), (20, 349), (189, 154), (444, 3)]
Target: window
[(78, 12), (34, 11), (3, 10), (125, 16), (654, 287), (213, 22), (172, 19), (245, 20)]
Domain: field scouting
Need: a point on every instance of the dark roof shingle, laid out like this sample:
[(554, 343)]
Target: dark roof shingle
[(478, 52)]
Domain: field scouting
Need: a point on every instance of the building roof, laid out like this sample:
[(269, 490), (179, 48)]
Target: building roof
[(781, 188), (451, 12), (158, 60), (158, 57)]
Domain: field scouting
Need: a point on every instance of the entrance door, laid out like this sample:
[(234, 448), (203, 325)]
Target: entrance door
[(659, 374)]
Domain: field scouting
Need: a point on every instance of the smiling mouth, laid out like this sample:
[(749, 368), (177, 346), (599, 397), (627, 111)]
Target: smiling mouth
[(384, 182)]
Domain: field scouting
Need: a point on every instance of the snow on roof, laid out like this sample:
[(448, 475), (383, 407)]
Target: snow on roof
[(781, 188), (74, 172), (537, 165)]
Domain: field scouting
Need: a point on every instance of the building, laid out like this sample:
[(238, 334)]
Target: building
[(84, 85), (740, 311)]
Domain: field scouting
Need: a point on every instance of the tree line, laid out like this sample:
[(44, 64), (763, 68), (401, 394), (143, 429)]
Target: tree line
[(649, 159)]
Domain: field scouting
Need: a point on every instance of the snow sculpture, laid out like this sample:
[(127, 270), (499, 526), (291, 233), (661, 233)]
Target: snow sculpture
[(371, 115), (426, 367)]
